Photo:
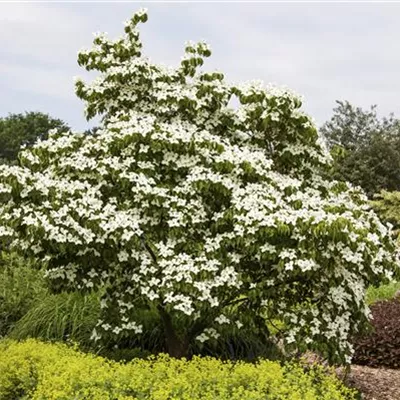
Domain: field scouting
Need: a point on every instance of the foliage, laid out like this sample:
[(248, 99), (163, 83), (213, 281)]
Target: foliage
[(387, 205), (73, 316), (64, 316), (92, 130), (240, 344), (17, 130), (382, 292), (214, 218), (366, 149), (350, 127), (21, 284), (27, 309), (44, 371), (381, 348), (243, 344)]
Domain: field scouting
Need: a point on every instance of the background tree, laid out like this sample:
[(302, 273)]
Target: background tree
[(387, 205), (92, 131), (210, 217), (24, 129), (366, 149)]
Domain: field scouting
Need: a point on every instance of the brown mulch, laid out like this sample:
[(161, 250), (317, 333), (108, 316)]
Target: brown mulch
[(381, 347), (375, 383), (372, 383)]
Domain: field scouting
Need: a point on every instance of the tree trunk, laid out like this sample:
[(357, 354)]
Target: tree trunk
[(176, 347)]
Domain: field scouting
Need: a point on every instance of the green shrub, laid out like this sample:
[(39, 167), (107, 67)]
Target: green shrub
[(387, 206), (37, 370), (20, 286), (27, 309)]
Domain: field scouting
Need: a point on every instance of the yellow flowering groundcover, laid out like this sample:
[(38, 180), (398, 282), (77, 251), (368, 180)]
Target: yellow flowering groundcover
[(42, 371)]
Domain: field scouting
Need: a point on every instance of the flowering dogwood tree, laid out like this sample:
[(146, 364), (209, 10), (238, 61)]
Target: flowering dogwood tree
[(215, 216)]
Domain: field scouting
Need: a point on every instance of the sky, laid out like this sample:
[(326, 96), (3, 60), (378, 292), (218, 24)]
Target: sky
[(323, 51)]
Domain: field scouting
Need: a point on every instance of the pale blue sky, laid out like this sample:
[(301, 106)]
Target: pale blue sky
[(322, 51)]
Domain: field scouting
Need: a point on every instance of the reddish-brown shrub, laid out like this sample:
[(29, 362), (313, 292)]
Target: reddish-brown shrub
[(381, 347)]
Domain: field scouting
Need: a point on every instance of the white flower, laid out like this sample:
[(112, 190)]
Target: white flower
[(106, 327), (222, 320), (212, 333), (103, 303), (239, 324), (95, 336), (117, 330), (202, 337)]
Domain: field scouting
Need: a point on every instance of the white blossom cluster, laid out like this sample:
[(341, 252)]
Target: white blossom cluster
[(185, 204)]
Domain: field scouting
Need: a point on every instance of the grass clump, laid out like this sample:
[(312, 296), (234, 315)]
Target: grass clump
[(383, 292), (64, 316)]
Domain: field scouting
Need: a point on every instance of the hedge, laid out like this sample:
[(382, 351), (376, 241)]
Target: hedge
[(42, 371)]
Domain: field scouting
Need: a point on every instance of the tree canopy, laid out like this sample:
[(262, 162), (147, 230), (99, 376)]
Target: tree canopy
[(366, 149), (213, 216), (18, 130)]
